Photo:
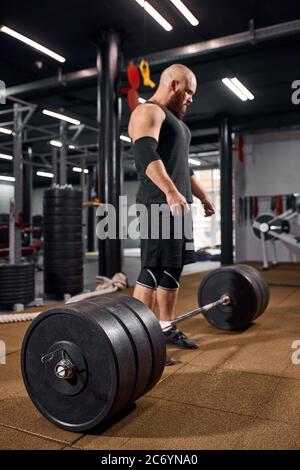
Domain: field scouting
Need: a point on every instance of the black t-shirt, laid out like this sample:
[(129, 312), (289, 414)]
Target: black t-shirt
[(173, 149)]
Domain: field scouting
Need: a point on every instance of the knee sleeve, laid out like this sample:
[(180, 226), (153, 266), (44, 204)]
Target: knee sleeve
[(150, 277), (170, 278)]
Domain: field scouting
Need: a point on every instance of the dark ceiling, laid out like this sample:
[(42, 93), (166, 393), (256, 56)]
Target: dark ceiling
[(70, 28)]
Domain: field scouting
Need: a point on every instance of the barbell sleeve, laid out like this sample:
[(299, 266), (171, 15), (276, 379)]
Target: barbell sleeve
[(167, 325)]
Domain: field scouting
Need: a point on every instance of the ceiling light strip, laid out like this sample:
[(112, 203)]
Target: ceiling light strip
[(32, 43)]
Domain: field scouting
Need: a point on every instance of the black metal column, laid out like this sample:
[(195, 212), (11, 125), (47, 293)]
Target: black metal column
[(54, 165), (18, 174), (90, 212), (63, 154), (226, 190), (108, 117), (28, 189)]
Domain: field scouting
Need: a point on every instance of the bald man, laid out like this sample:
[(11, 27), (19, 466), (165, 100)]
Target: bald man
[(161, 148)]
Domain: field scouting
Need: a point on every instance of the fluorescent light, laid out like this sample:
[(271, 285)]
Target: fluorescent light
[(185, 12), (45, 174), (62, 117), (55, 143), (3, 156), (125, 138), (234, 89), (194, 162), (79, 170), (7, 178), (209, 153), (32, 43), (141, 100), (243, 89), (5, 131), (155, 15)]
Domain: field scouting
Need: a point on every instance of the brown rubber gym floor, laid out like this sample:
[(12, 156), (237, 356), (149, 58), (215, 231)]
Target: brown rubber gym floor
[(238, 391)]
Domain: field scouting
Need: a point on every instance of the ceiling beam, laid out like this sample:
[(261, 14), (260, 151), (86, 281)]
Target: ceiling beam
[(203, 48)]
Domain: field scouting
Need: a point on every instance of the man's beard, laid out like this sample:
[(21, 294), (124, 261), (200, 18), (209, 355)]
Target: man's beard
[(176, 104)]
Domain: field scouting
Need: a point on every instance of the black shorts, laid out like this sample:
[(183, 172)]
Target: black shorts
[(166, 240)]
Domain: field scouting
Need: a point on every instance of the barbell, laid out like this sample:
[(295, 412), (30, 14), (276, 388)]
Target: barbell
[(84, 362)]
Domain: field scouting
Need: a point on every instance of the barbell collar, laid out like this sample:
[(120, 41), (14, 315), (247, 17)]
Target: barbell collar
[(64, 369)]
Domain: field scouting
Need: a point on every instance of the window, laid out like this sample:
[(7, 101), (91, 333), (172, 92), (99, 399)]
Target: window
[(207, 231)]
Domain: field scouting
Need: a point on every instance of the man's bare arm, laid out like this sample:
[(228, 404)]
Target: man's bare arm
[(197, 188), (146, 121), (199, 192)]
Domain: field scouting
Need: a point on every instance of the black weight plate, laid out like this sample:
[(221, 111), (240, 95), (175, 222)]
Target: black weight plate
[(17, 288), (68, 263), (18, 294), (239, 314), (22, 293), (266, 293), (109, 359), (248, 273), (62, 220), (63, 272), (263, 218), (12, 282), (16, 268), (258, 288), (18, 297), (64, 264), (62, 280), (155, 335), (62, 211), (58, 290), (63, 254), (63, 245), (62, 194), (138, 337), (263, 287), (49, 229), (61, 204), (11, 279), (68, 237)]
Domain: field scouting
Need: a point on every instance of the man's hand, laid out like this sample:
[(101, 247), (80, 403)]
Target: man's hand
[(208, 206), (177, 203)]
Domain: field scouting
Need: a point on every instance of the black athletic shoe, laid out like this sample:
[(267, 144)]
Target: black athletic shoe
[(169, 360), (179, 339)]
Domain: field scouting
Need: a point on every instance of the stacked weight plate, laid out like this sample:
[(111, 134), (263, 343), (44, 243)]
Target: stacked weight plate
[(117, 352), (16, 284), (63, 247)]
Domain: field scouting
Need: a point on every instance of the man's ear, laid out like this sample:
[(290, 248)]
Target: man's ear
[(174, 85)]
